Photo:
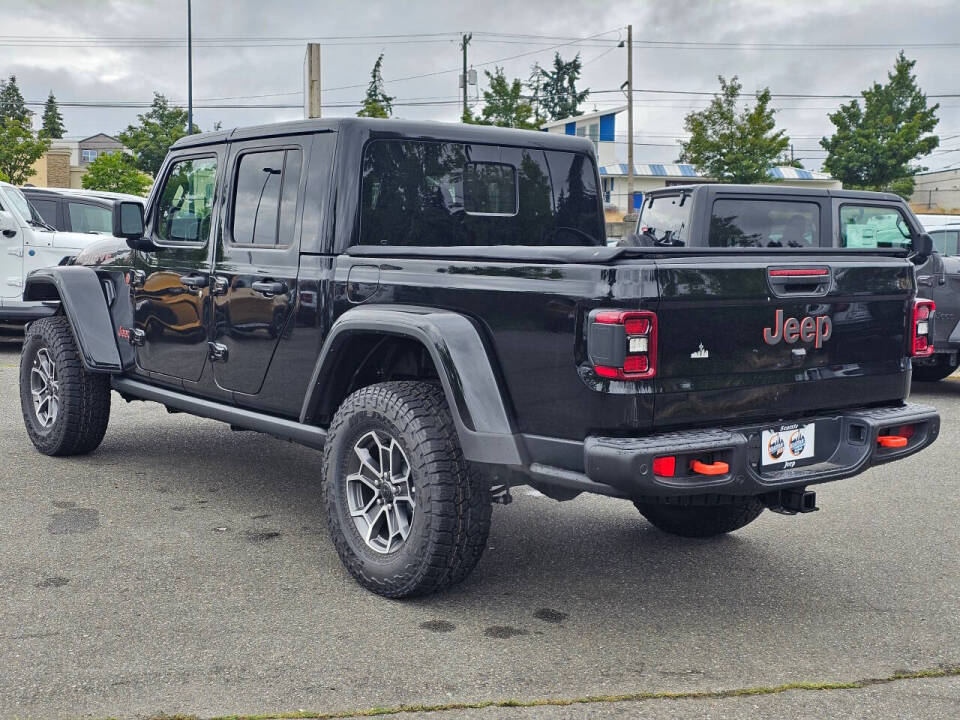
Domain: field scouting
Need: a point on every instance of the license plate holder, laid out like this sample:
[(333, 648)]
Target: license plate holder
[(788, 446)]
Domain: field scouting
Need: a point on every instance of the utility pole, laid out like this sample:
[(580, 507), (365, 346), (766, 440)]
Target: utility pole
[(630, 210), (467, 37), (311, 76), (189, 70)]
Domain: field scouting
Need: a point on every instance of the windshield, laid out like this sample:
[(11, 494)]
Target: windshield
[(23, 206)]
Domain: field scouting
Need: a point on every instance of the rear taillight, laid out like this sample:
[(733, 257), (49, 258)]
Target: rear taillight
[(623, 345), (921, 342)]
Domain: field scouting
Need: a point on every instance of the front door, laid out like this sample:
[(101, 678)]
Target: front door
[(258, 252), (172, 292), (11, 254)]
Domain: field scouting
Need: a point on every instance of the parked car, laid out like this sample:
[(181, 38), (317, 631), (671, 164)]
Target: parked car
[(753, 216), (449, 322), (83, 211), (27, 242)]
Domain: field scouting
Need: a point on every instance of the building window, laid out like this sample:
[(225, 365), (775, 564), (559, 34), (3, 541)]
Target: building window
[(88, 155)]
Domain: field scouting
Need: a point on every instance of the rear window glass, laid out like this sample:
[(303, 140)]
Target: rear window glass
[(447, 194), (764, 223), (947, 242), (866, 226), (664, 219)]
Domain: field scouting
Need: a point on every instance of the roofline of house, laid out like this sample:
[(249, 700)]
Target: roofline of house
[(585, 116)]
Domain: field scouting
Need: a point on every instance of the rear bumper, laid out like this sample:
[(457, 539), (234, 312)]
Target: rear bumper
[(846, 445)]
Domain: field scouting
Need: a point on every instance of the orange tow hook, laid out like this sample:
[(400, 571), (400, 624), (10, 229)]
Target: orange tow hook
[(716, 468), (892, 441)]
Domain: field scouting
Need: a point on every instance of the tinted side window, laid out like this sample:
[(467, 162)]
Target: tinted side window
[(764, 223), (185, 207), (864, 226), (576, 198), (947, 242), (265, 197), (47, 210), (447, 194), (86, 218), (664, 220)]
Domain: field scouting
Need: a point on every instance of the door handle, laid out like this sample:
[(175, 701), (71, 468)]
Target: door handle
[(268, 288), (194, 281)]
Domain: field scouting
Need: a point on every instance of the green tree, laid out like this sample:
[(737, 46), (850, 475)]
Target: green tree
[(19, 150), (730, 146), (12, 105), (504, 104), (116, 172), (873, 145), (377, 104), (558, 96), (52, 119), (159, 128)]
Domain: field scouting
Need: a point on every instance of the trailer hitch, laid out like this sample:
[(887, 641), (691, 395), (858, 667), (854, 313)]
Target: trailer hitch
[(791, 502)]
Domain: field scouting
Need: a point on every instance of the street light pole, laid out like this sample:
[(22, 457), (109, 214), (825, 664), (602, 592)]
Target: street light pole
[(189, 70), (629, 119)]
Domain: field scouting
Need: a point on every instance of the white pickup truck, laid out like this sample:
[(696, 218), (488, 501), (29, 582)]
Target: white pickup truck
[(28, 243)]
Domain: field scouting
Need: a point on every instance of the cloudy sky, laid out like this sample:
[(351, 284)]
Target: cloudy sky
[(251, 52)]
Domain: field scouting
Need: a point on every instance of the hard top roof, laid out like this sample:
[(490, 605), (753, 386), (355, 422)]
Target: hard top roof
[(414, 129)]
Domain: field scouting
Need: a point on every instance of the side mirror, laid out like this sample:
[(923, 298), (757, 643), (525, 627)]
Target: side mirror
[(922, 248), (128, 224), (8, 225)]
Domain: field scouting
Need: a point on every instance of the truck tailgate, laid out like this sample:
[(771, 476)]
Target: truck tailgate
[(779, 337)]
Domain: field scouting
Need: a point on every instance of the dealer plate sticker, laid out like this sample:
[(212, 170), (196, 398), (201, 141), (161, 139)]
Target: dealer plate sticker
[(787, 444)]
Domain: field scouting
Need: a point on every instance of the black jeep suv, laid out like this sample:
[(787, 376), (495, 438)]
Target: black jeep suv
[(435, 306)]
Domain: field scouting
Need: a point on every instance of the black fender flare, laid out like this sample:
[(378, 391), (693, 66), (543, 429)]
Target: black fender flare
[(77, 289), (466, 372)]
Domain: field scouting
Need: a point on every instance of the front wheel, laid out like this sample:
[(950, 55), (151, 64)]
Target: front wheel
[(938, 370), (65, 408), (700, 521), (406, 512)]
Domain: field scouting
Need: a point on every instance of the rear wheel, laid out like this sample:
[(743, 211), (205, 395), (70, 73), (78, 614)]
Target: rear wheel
[(935, 371), (406, 512), (702, 520), (65, 408)]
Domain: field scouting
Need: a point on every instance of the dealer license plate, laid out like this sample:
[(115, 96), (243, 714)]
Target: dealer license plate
[(787, 445)]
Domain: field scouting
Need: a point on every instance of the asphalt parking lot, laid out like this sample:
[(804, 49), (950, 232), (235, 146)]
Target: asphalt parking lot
[(184, 568)]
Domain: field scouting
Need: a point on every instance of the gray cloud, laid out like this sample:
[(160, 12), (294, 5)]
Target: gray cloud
[(104, 73)]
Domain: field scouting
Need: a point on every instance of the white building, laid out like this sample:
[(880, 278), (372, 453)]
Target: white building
[(601, 127)]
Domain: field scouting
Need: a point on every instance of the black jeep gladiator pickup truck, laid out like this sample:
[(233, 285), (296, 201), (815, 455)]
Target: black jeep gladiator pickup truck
[(435, 306)]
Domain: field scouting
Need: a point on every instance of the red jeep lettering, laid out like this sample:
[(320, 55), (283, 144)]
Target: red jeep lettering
[(818, 329)]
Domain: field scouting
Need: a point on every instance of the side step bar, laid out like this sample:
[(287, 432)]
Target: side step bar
[(308, 435)]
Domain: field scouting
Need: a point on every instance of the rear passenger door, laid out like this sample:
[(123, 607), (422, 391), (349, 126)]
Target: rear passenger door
[(258, 251)]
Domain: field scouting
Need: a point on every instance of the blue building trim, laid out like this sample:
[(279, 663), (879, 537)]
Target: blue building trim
[(687, 170), (776, 172), (570, 128), (657, 169), (607, 127)]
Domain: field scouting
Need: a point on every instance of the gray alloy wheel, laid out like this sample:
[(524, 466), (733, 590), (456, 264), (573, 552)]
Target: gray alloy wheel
[(381, 496), (45, 388)]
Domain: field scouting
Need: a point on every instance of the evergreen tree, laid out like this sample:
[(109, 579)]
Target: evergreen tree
[(730, 146), (535, 84), (504, 102), (558, 96), (52, 119), (159, 128), (12, 105), (874, 145), (377, 103)]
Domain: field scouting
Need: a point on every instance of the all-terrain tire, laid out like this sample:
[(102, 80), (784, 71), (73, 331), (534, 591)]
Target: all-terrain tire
[(451, 518), (701, 521), (934, 372), (83, 398)]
